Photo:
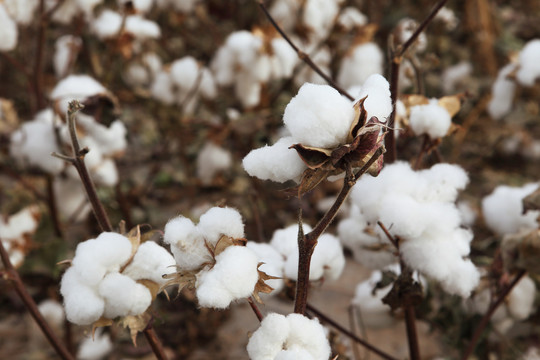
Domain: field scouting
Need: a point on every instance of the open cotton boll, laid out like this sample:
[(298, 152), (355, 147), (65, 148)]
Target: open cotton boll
[(33, 143), (319, 17), (520, 301), (502, 93), (276, 162), (221, 221), (233, 277), (162, 88), (443, 182), (71, 198), (285, 241), (151, 262), (350, 17), (211, 160), (82, 303), (375, 314), (503, 210), (109, 23), (53, 312), (8, 31), (65, 51), (378, 102), (430, 119), (248, 89), (328, 260), (75, 87), (285, 56), (95, 347), (184, 72), (268, 340), (187, 243), (123, 296), (319, 116), (454, 75), (364, 60), (529, 63), (308, 334)]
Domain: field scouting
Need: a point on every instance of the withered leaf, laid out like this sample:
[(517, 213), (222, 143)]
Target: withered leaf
[(532, 201), (226, 241), (313, 157), (522, 251), (102, 322), (310, 179), (451, 103), (182, 279), (152, 286), (405, 291), (262, 286), (136, 324)]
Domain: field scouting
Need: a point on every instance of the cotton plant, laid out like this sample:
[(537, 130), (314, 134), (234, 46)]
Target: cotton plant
[(524, 71), (212, 258), (114, 277), (327, 262), (247, 60), (328, 133), (16, 232), (419, 208), (289, 337)]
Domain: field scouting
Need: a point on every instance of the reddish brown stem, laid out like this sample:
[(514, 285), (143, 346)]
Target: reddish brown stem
[(40, 50), (155, 343), (343, 330), (423, 149), (412, 335), (11, 273), (255, 308), (53, 208), (485, 320)]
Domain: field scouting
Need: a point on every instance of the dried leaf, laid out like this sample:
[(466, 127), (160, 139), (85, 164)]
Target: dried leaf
[(413, 100), (359, 119), (310, 179), (153, 286), (451, 103), (136, 324), (226, 241), (313, 157), (522, 251), (182, 279), (102, 322), (261, 286), (532, 201)]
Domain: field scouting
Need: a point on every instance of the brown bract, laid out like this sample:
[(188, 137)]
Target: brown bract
[(363, 140)]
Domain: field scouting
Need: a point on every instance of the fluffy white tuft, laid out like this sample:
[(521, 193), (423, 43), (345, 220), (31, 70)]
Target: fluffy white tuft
[(430, 119)]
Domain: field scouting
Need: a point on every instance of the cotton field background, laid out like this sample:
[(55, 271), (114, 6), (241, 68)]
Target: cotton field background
[(286, 179)]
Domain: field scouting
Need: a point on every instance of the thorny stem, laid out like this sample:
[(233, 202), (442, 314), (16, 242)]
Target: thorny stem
[(78, 161), (487, 316), (12, 274), (302, 55), (155, 343), (307, 243), (351, 335), (396, 58), (255, 308)]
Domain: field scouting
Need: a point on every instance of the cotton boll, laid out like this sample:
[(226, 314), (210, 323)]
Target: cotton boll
[(107, 24), (444, 182), (286, 57), (308, 334), (151, 262), (350, 17), (430, 119), (142, 28), (503, 210), (8, 31), (207, 87), (248, 89), (502, 93), (319, 116), (211, 160), (268, 340), (375, 313), (529, 64), (71, 198), (162, 88), (378, 102), (234, 276), (75, 87), (520, 301), (184, 72), (187, 243), (21, 11), (364, 60), (53, 312), (82, 304), (221, 221), (110, 140), (285, 241), (65, 12), (105, 173), (276, 162), (123, 296), (86, 264), (95, 347), (65, 52), (319, 17), (328, 260), (454, 75)]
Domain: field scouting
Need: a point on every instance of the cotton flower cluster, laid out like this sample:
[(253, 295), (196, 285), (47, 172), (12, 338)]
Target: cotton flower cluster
[(503, 210), (525, 72), (327, 261), (289, 337), (247, 60), (223, 272), (103, 280), (418, 206), (15, 232), (318, 116), (518, 305)]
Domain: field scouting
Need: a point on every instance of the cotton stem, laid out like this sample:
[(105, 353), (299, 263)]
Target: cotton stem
[(155, 343)]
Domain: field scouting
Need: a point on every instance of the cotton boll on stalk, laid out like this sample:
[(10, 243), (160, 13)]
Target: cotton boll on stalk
[(211, 160), (276, 162), (285, 241), (234, 276), (431, 119), (361, 62), (328, 260), (529, 64), (21, 12), (319, 116), (502, 93), (350, 18), (75, 87), (503, 210), (289, 337), (221, 221), (82, 303), (375, 313)]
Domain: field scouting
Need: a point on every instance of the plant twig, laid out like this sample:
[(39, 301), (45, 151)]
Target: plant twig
[(302, 55), (396, 56), (53, 208), (78, 161), (343, 330), (40, 50), (11, 274), (307, 243), (423, 149), (155, 343), (255, 308), (487, 316), (410, 317)]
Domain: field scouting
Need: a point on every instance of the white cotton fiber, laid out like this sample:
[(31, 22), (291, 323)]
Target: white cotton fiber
[(319, 116), (285, 56), (454, 75), (8, 31), (285, 241), (327, 260), (276, 162), (83, 305), (221, 221), (520, 301), (150, 262), (233, 277), (123, 296), (187, 243), (272, 264), (268, 340), (350, 17), (529, 63), (502, 93), (430, 119), (375, 314), (95, 347), (211, 160), (184, 72), (364, 60), (378, 102), (65, 52), (503, 210)]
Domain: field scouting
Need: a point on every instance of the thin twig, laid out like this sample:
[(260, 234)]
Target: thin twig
[(423, 149), (155, 343), (302, 55), (343, 330), (352, 325), (40, 54), (53, 208), (308, 242), (487, 316), (11, 273), (255, 308)]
